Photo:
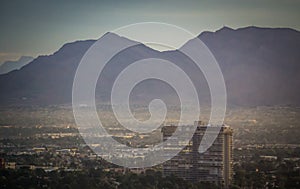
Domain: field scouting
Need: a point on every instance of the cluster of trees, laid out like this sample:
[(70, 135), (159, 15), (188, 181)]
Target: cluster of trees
[(261, 175), (252, 174), (24, 178), (254, 171)]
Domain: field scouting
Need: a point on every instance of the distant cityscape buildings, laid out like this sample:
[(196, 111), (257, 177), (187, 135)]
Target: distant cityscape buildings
[(213, 166)]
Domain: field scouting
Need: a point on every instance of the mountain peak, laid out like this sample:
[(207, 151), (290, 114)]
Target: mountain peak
[(225, 29), (111, 34), (113, 37)]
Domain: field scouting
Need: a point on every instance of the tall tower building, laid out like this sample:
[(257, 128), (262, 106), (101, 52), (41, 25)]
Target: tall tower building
[(213, 166), (227, 156)]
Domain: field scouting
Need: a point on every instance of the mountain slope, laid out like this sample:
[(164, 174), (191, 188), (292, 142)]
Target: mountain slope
[(46, 80)]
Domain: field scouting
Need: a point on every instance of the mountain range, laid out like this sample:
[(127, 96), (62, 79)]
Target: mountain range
[(261, 66)]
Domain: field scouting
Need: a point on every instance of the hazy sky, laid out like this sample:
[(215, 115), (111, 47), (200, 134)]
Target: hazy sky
[(40, 27)]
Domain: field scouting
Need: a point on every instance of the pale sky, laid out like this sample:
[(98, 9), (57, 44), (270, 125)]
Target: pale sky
[(42, 27)]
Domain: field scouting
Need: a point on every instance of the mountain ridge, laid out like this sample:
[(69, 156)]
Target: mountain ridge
[(256, 63)]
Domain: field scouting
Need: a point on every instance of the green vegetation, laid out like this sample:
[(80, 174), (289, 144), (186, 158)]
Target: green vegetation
[(267, 168), (99, 179)]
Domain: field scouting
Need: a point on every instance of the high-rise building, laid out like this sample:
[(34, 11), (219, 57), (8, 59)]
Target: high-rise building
[(213, 166)]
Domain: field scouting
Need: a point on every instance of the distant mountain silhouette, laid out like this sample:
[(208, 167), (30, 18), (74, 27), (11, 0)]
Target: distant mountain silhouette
[(9, 66), (261, 66)]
